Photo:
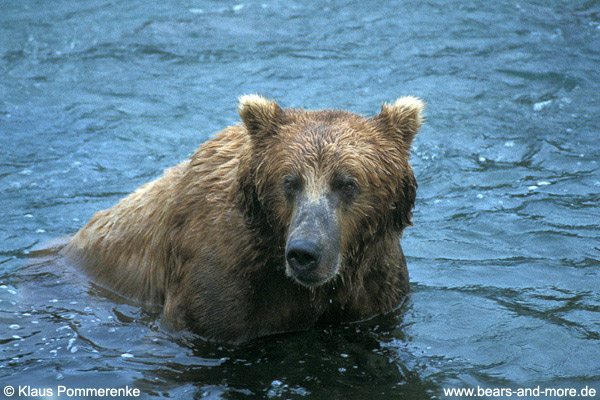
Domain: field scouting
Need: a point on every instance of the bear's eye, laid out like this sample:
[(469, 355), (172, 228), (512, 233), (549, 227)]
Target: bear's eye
[(347, 187), (290, 185)]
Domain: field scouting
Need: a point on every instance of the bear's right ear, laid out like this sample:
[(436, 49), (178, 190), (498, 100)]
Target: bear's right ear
[(401, 119), (260, 116)]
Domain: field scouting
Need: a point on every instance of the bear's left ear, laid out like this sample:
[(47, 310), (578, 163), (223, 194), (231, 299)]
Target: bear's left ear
[(260, 116), (402, 119)]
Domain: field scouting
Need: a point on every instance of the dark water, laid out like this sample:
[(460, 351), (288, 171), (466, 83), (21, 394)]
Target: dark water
[(98, 97)]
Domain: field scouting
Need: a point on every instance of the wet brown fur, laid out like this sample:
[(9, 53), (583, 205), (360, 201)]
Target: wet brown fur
[(207, 239)]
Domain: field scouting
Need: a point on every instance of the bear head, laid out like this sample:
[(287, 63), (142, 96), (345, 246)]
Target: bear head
[(325, 184)]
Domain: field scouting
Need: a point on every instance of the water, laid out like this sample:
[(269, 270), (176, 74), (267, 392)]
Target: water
[(98, 97)]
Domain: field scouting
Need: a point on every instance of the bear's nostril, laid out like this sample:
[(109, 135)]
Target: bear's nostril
[(303, 255), (302, 258)]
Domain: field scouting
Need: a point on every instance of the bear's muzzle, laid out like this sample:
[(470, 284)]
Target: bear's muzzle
[(313, 244)]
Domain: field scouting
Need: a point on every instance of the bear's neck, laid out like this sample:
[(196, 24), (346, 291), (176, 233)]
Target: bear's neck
[(373, 280)]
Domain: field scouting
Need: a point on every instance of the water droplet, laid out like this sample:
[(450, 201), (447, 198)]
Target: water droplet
[(541, 105)]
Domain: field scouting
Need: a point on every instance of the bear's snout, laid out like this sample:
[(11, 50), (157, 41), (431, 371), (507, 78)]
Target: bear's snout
[(313, 245), (303, 256)]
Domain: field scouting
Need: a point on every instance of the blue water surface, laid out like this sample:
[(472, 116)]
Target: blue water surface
[(97, 97)]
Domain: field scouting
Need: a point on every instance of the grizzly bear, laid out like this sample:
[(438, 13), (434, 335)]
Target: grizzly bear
[(289, 219)]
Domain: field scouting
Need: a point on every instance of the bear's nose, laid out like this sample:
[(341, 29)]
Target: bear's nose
[(303, 255)]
